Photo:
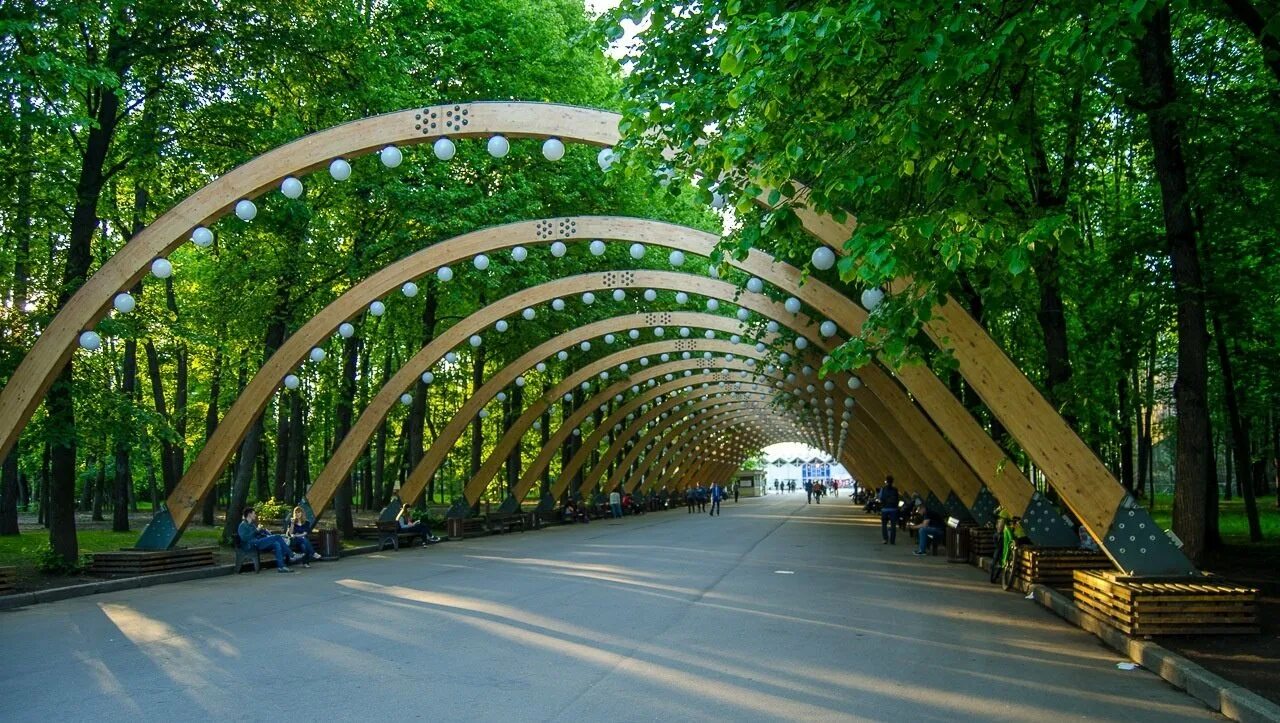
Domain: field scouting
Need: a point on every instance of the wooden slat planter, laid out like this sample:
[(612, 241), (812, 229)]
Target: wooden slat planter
[(142, 562), (981, 543), (8, 579), (1055, 566), (1167, 606)]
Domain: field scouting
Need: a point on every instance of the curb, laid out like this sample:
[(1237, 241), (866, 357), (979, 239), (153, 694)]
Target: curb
[(1230, 699), (26, 599)]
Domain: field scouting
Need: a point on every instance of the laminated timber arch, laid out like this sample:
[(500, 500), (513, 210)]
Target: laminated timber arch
[(1080, 477)]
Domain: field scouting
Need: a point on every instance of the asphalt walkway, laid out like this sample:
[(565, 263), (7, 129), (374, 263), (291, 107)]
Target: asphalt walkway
[(774, 610)]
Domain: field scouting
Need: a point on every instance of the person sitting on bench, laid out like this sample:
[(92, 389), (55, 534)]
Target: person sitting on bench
[(298, 533), (408, 526), (253, 537), (929, 528)]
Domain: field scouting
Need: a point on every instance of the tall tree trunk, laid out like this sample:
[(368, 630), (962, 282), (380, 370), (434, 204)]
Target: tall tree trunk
[(124, 438), (544, 438), (1126, 434), (208, 509), (418, 409), (20, 228), (514, 406), (168, 469), (341, 426), (1159, 99), (293, 455), (477, 424), (1239, 429), (283, 427), (100, 483)]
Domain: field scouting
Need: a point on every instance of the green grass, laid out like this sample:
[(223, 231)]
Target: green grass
[(23, 551), (1231, 518)]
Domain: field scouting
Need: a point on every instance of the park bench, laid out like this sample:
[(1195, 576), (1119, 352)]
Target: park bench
[(8, 579), (254, 556), (504, 522), (461, 527)]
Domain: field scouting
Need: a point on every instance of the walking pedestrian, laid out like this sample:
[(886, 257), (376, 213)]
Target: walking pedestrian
[(889, 512), (717, 494)]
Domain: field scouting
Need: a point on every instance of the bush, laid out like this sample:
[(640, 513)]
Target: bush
[(272, 511), (51, 563)]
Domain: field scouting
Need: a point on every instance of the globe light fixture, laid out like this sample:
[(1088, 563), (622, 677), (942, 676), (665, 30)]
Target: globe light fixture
[(712, 304), (528, 314), (90, 341), (558, 249), (597, 247), (291, 381), (502, 325), (444, 149), (475, 341), (553, 149), (519, 253), (409, 289), (498, 146), (619, 295), (755, 285), (682, 298), (161, 268), (391, 157), (540, 366), (823, 258), (124, 303), (317, 354), (676, 258), (451, 357), (377, 308), (428, 377), (637, 251), (339, 169), (406, 399), (202, 237), (801, 342), (444, 273), (481, 262), (743, 314), (684, 331), (650, 295), (608, 339), (562, 355), (588, 298), (557, 304), (246, 210), (291, 187), (606, 158), (827, 328), (792, 305), (871, 298)]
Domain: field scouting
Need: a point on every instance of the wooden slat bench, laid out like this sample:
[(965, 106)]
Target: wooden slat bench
[(460, 528), (1167, 606), (504, 522), (8, 579), (1055, 566), (143, 562)]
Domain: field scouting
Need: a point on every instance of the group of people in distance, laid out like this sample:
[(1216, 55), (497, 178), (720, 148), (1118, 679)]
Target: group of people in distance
[(814, 490), (294, 546), (697, 497), (914, 514)]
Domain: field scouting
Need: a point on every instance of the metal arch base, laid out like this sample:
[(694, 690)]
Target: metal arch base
[(161, 532), (1047, 525)]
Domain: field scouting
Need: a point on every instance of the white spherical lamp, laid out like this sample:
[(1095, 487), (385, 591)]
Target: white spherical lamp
[(823, 258), (519, 254), (124, 303), (633, 334), (161, 268), (743, 314), (619, 295), (475, 341), (444, 149), (390, 156), (682, 298), (481, 262), (755, 285), (317, 354), (557, 304), (597, 247), (553, 149), (528, 314), (558, 249), (606, 158), (659, 331), (90, 341), (291, 381), (202, 237), (771, 327), (406, 399), (502, 325), (246, 210), (520, 382), (650, 295), (855, 383), (444, 273), (871, 298), (428, 377), (637, 251), (676, 258), (712, 304), (588, 298), (827, 328), (450, 357), (585, 346), (562, 355), (409, 289), (792, 305), (291, 187), (377, 308), (684, 331), (801, 342), (498, 146)]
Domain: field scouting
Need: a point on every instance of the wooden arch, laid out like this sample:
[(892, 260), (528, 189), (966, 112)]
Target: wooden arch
[(1082, 480)]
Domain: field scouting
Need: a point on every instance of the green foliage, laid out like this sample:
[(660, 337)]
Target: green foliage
[(51, 563), (272, 511)]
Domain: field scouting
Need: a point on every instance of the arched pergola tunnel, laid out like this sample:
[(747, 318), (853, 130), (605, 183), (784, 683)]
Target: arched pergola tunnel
[(1081, 480)]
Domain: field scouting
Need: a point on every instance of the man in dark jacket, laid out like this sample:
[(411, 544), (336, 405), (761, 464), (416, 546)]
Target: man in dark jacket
[(253, 537), (930, 528), (889, 512)]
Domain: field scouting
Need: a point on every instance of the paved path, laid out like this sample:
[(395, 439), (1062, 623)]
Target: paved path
[(661, 617)]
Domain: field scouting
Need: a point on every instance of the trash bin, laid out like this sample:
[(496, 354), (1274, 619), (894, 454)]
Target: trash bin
[(326, 543), (957, 540)]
